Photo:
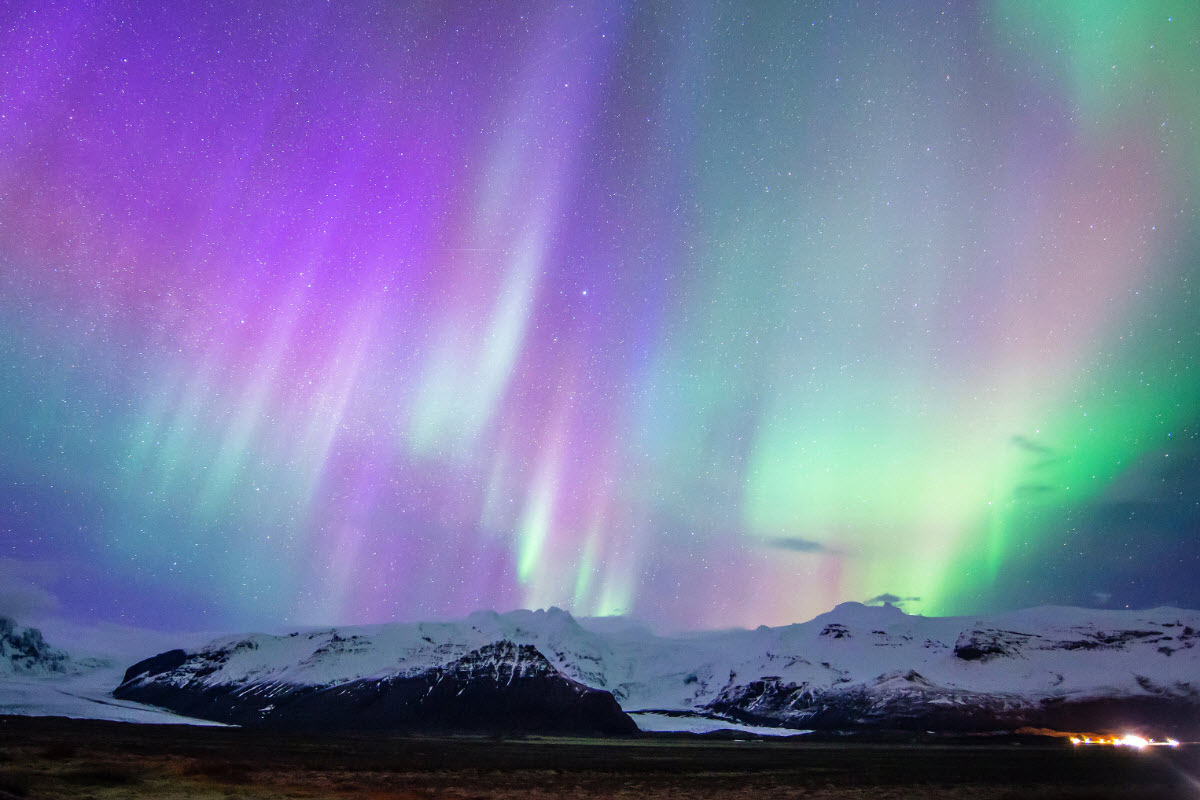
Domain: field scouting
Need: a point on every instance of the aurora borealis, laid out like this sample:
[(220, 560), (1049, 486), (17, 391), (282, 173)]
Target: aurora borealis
[(709, 313)]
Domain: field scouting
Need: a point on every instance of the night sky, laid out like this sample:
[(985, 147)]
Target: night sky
[(709, 313)]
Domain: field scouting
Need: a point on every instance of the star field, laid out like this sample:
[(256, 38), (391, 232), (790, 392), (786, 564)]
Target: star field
[(709, 313)]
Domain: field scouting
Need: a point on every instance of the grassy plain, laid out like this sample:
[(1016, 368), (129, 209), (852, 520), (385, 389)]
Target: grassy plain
[(57, 758)]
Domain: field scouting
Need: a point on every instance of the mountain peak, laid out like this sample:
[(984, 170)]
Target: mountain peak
[(552, 618), (852, 612)]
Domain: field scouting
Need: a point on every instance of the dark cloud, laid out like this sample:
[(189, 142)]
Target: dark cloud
[(1030, 446), (887, 597), (798, 545), (1030, 489)]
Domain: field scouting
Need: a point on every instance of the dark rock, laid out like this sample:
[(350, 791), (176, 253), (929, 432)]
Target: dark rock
[(155, 665), (981, 645), (836, 631)]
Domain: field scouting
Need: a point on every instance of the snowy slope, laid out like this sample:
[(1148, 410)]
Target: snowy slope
[(38, 679), (1047, 666), (340, 655), (853, 666)]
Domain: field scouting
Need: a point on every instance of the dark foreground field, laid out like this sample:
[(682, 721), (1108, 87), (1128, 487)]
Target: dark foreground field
[(57, 758)]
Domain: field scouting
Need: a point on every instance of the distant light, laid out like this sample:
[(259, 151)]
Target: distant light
[(1128, 740)]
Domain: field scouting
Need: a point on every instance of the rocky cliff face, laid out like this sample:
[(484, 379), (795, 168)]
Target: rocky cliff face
[(501, 687)]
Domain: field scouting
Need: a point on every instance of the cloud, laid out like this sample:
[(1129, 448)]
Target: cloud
[(1030, 446), (895, 600), (1034, 489), (798, 545), (1043, 455), (21, 595)]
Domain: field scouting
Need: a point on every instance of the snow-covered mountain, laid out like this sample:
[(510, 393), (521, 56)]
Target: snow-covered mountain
[(853, 667), (501, 686), (23, 651)]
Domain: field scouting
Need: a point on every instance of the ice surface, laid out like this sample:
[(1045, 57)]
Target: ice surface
[(665, 723), (81, 696)]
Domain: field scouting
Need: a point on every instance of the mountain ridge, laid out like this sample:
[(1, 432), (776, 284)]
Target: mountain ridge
[(853, 667)]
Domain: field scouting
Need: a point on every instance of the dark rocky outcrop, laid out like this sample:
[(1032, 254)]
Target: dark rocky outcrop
[(155, 665), (981, 645)]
